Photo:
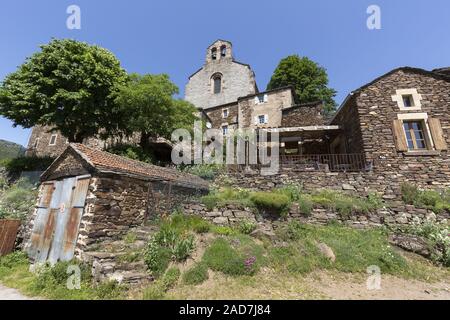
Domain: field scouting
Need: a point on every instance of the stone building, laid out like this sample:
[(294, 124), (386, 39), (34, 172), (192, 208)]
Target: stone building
[(89, 196)]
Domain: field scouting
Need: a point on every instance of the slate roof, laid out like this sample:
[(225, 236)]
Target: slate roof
[(106, 162)]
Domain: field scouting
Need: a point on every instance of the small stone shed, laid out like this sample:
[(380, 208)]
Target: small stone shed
[(88, 196)]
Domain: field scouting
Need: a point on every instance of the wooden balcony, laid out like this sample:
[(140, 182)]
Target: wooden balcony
[(346, 162)]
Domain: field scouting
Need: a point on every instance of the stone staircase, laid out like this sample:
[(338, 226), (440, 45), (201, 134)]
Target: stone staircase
[(122, 261)]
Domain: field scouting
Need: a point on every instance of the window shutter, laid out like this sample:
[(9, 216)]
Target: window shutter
[(399, 135), (437, 134), (266, 98), (266, 118), (256, 120), (256, 100)]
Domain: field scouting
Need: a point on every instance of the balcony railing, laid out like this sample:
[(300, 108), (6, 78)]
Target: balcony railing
[(345, 162)]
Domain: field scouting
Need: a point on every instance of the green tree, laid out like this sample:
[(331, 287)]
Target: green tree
[(310, 81), (69, 86), (149, 107)]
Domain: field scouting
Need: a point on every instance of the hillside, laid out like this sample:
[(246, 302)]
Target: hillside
[(9, 150)]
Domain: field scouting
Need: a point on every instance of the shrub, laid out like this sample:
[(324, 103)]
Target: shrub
[(293, 191), (18, 165), (409, 193), (196, 275), (13, 259), (134, 152), (247, 227), (170, 278), (130, 238), (17, 200), (270, 201), (210, 201), (167, 244), (305, 204), (223, 230), (157, 258), (205, 171)]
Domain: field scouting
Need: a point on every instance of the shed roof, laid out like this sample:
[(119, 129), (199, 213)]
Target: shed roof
[(105, 162)]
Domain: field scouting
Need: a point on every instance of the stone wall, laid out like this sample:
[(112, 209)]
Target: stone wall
[(367, 119), (303, 115), (216, 115), (397, 214)]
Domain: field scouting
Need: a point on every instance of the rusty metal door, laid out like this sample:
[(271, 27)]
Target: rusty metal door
[(56, 228), (8, 234)]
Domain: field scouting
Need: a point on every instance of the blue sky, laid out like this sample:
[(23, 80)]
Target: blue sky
[(171, 36)]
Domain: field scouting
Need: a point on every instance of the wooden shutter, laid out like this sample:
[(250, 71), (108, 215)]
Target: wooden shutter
[(399, 135), (437, 134)]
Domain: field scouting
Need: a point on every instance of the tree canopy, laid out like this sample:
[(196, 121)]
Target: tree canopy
[(149, 107), (310, 81), (68, 85)]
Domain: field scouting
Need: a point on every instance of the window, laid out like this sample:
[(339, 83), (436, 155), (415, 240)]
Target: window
[(223, 51), (262, 119), (408, 101), (415, 135), (261, 98), (225, 113), (217, 83), (214, 53), (36, 143), (53, 140), (225, 130)]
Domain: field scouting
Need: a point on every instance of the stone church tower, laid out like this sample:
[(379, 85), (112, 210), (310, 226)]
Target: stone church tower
[(221, 79)]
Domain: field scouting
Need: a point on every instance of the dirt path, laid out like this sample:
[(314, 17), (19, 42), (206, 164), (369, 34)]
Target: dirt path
[(11, 294), (349, 287)]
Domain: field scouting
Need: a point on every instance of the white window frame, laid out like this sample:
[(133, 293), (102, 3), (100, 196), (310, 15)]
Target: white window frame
[(417, 117), (223, 113), (258, 119), (416, 99), (265, 98), (226, 128), (51, 138)]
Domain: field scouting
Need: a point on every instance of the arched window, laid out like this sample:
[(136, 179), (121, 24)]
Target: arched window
[(223, 51), (214, 53), (217, 83)]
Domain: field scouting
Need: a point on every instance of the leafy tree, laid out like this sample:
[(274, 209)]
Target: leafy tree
[(69, 86), (310, 81), (149, 107)]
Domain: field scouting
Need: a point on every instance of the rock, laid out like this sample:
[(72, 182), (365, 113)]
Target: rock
[(263, 233), (411, 243), (348, 187), (214, 214), (326, 251), (220, 220)]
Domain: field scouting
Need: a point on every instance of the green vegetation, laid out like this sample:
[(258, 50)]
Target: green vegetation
[(196, 275), (172, 242), (235, 255), (438, 201), (205, 171), (247, 227), (279, 201), (157, 290), (18, 165), (271, 202), (10, 150), (437, 235), (16, 200), (68, 85), (354, 249), (310, 81), (344, 203), (133, 152), (54, 283)]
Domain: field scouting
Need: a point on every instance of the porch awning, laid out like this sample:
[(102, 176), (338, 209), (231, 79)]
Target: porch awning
[(312, 132)]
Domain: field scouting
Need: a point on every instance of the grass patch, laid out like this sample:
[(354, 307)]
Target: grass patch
[(17, 200), (158, 289), (272, 202), (196, 275), (234, 256), (52, 282), (354, 249)]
